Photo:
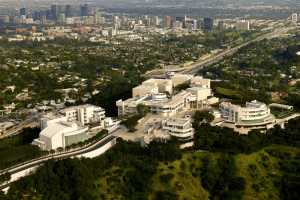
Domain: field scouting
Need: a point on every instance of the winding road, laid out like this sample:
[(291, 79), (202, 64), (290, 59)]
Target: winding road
[(111, 138)]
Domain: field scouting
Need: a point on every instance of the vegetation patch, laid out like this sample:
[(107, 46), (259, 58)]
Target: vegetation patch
[(17, 149)]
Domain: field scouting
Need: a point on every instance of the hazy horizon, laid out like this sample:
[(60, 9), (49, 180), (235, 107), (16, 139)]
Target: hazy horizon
[(159, 3)]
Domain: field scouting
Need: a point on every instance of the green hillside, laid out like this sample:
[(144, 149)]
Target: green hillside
[(228, 166), (262, 172)]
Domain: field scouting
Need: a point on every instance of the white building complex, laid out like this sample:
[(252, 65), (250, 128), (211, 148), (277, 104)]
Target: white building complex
[(70, 126), (253, 114), (153, 86), (158, 95), (180, 128), (85, 114), (170, 127)]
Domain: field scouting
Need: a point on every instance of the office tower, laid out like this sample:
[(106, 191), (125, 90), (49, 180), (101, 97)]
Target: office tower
[(221, 25), (155, 21), (97, 17), (117, 22), (68, 11), (36, 15), (54, 12), (49, 14), (147, 21), (84, 10), (124, 20), (4, 19), (190, 23), (43, 19), (294, 17), (23, 11), (60, 9), (61, 18), (180, 19), (195, 24), (177, 24), (208, 24), (168, 22)]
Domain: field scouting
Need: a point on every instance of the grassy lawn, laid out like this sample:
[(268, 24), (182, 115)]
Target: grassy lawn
[(281, 113), (228, 93)]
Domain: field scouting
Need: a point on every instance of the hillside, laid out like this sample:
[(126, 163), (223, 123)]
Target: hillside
[(233, 167), (260, 175), (181, 179)]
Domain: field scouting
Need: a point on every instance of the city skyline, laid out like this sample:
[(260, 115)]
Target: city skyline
[(158, 3)]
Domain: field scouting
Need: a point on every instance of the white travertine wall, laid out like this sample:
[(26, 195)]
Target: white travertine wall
[(92, 154), (19, 175), (99, 151)]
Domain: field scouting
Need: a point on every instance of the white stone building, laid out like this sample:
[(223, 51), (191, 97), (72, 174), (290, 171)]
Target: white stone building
[(58, 131), (179, 79), (71, 126), (253, 114), (157, 94), (85, 114), (153, 86), (199, 81), (180, 128)]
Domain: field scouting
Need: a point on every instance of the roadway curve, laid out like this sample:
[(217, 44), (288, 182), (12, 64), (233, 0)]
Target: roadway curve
[(39, 161)]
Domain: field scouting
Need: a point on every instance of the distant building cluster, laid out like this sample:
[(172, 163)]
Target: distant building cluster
[(96, 25), (87, 15)]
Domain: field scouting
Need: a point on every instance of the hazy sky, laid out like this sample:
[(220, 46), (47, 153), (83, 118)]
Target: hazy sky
[(197, 3)]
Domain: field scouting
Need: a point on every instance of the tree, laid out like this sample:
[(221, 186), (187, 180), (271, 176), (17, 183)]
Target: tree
[(131, 122), (165, 195), (4, 177), (202, 116), (142, 110)]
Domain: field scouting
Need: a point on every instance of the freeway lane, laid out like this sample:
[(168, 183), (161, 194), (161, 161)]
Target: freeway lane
[(215, 58), (218, 57), (30, 122)]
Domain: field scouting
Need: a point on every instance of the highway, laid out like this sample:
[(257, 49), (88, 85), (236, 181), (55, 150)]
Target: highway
[(17, 129), (62, 155), (30, 122), (286, 119), (215, 58)]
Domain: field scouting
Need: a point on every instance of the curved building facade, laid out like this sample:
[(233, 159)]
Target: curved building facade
[(179, 128), (254, 113)]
